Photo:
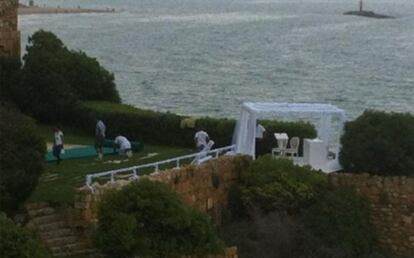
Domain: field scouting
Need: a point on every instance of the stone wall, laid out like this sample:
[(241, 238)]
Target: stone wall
[(9, 34), (392, 207), (69, 231), (204, 187)]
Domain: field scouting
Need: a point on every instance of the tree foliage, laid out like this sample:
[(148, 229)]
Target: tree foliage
[(379, 143), (21, 158), (340, 217), (279, 184), (147, 219), (9, 76), (16, 242), (54, 79), (293, 211)]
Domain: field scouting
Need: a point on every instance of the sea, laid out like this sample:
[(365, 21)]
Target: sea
[(207, 57)]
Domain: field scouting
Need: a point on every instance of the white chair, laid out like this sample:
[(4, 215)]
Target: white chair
[(282, 140), (293, 149)]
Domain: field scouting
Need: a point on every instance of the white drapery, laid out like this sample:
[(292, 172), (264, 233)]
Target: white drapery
[(322, 116)]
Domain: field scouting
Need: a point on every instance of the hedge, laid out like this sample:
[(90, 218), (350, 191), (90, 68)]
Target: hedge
[(166, 128), (379, 143)]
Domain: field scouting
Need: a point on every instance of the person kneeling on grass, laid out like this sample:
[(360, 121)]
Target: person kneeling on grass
[(58, 144), (122, 146)]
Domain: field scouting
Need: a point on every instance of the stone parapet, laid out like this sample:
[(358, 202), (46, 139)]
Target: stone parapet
[(392, 206), (204, 187)]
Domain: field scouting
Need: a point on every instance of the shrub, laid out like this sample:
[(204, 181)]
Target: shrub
[(278, 183), (165, 128), (21, 158), (54, 78), (340, 218), (379, 143), (276, 235), (9, 74), (147, 219), (16, 242)]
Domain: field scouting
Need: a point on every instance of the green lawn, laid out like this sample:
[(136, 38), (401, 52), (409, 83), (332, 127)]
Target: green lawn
[(58, 182)]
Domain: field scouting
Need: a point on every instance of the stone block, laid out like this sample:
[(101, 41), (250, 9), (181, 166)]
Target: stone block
[(210, 203)]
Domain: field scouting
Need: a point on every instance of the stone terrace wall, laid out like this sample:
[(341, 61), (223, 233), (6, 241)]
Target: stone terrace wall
[(9, 35), (392, 207), (69, 232), (204, 187)]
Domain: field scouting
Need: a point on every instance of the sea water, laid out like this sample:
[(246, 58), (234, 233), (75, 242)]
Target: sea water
[(207, 57)]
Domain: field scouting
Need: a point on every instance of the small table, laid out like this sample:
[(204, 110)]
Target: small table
[(282, 140), (314, 152)]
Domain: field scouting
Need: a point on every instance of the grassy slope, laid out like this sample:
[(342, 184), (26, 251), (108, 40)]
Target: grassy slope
[(58, 182)]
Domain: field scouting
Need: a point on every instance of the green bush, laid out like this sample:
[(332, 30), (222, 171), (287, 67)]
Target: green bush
[(54, 79), (340, 218), (21, 158), (165, 128), (147, 219), (16, 242), (279, 184), (9, 75), (379, 143)]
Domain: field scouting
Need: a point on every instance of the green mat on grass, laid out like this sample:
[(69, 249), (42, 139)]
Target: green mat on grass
[(89, 151)]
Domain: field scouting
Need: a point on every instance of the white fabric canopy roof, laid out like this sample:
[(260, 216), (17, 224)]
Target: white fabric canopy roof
[(321, 115)]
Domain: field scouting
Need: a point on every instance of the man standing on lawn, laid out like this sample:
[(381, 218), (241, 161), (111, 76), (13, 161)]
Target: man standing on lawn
[(99, 137), (57, 144)]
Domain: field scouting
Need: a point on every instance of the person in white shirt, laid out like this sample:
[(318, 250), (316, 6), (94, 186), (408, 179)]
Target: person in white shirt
[(260, 130), (57, 144), (201, 139), (100, 130), (122, 146)]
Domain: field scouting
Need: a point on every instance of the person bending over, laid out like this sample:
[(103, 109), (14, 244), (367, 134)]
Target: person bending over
[(122, 146), (201, 139)]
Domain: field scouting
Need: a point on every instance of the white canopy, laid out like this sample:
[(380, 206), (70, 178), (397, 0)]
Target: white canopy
[(323, 116)]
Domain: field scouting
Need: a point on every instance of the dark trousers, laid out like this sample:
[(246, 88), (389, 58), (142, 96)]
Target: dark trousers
[(56, 152)]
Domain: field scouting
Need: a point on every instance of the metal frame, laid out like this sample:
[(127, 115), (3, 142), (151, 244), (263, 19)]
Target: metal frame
[(155, 165)]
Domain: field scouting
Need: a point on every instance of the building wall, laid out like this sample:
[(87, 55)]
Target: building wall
[(9, 34), (392, 207)]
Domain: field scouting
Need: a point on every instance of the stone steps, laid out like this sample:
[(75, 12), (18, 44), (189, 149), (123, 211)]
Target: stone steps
[(45, 219), (56, 233)]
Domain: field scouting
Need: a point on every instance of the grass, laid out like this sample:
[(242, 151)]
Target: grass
[(58, 182)]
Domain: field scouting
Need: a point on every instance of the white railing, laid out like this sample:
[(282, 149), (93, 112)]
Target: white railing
[(133, 172)]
